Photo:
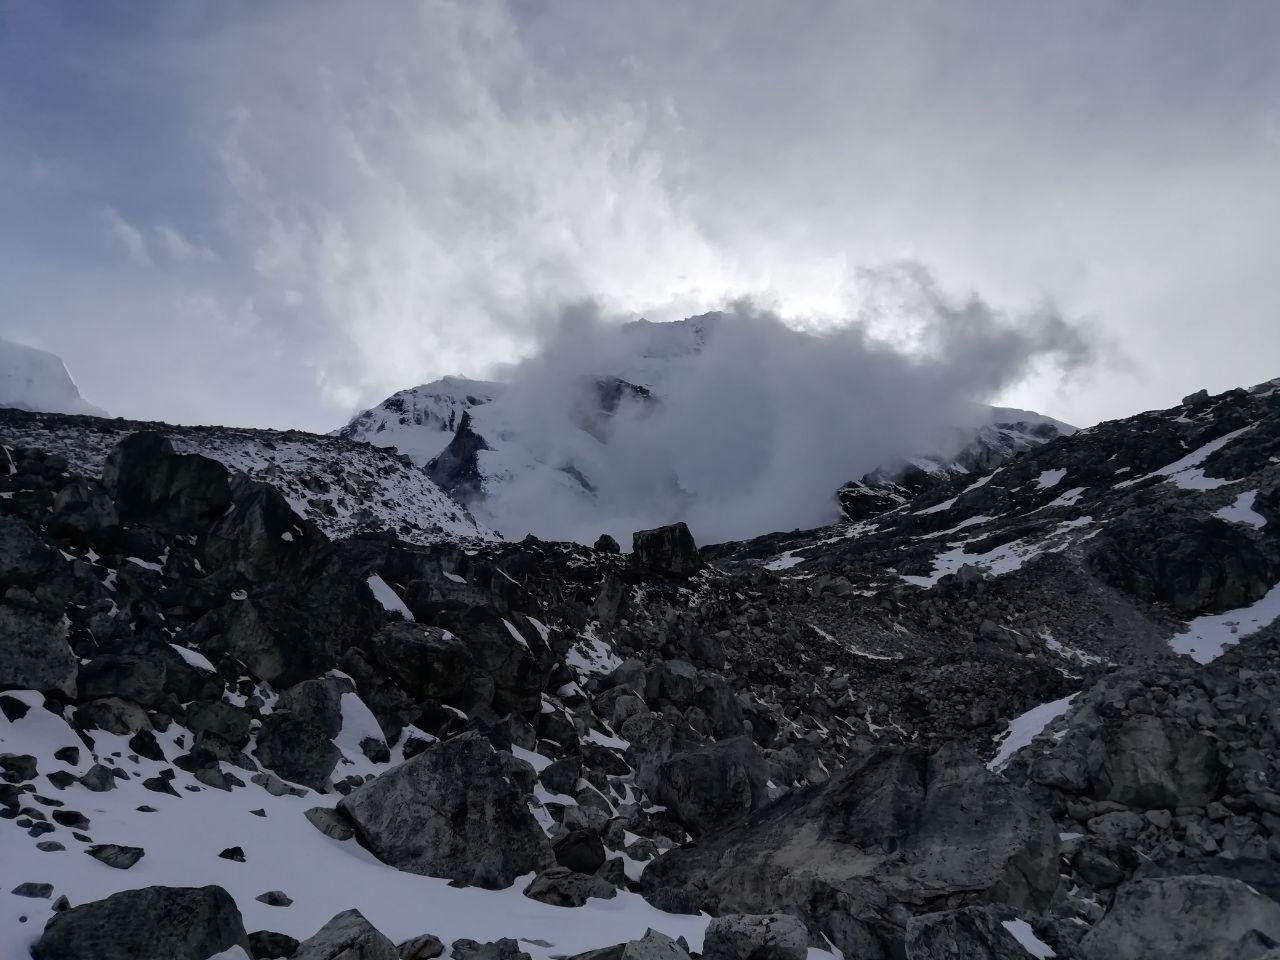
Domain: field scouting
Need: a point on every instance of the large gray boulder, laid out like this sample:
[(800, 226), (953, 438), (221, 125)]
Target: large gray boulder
[(35, 654), (153, 923), (702, 788), (456, 810), (1185, 918), (898, 831), (771, 936), (1156, 763), (667, 550), (348, 936)]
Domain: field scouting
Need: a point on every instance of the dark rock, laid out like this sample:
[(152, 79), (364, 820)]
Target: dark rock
[(274, 898), (562, 887), (579, 850), (152, 923), (348, 936), (220, 719), (68, 755), (504, 949), (430, 663), (1185, 918), (424, 947), (702, 788), (898, 825), (115, 855), (972, 933), (331, 823), (155, 486), (233, 853), (38, 891), (34, 653), (776, 936), (268, 945), (606, 544), (112, 715), (1154, 762), (666, 550), (453, 811), (296, 739)]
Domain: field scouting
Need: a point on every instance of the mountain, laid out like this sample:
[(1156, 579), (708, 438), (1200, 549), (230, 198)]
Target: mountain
[(345, 488), (1027, 712), (32, 379), (569, 453)]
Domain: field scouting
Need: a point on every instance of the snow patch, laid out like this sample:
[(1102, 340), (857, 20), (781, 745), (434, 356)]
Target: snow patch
[(389, 599), (1050, 478), (1021, 931), (1022, 730), (1207, 637), (1241, 511)]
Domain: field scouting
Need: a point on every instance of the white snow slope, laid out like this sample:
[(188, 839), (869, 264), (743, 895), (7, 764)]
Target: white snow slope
[(32, 379)]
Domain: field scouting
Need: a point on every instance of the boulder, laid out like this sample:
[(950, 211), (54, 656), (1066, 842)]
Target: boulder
[(1192, 564), (775, 936), (429, 663), (973, 933), (152, 923), (296, 738), (269, 945), (34, 653), (1185, 918), (454, 811), (157, 487), (666, 550), (704, 787), (1155, 763), (562, 887), (503, 949), (348, 936), (24, 558), (899, 829), (606, 544), (422, 947), (580, 850)]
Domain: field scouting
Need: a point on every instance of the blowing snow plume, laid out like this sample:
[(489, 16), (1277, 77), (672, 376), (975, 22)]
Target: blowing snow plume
[(735, 422)]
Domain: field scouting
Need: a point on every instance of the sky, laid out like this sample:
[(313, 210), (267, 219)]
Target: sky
[(277, 213)]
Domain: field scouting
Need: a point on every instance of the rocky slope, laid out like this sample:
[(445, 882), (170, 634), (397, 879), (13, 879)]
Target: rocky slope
[(1031, 715), (343, 487)]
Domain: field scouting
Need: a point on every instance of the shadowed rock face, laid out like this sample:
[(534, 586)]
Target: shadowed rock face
[(898, 829), (667, 550), (457, 811)]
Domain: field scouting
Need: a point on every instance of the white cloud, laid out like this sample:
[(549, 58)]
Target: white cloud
[(127, 235)]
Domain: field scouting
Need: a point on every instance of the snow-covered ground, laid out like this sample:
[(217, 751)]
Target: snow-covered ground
[(283, 851)]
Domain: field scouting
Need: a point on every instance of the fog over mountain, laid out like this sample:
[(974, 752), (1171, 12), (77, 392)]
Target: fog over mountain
[(734, 421)]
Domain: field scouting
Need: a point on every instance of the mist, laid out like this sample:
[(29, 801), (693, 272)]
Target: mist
[(753, 429)]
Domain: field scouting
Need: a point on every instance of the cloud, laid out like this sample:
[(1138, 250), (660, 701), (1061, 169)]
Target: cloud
[(752, 424), (128, 236)]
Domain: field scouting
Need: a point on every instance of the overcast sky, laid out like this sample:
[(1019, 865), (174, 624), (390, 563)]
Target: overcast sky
[(276, 212)]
